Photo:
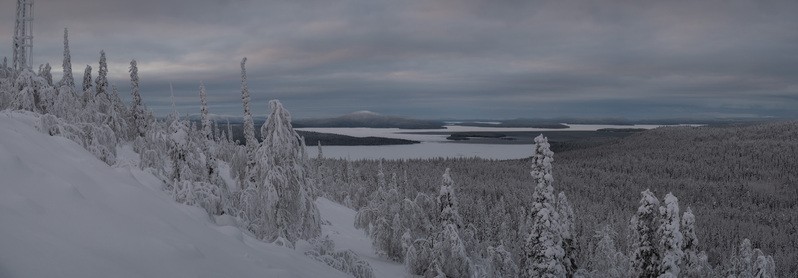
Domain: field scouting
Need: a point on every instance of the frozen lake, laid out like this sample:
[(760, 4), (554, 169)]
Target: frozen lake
[(424, 150), (436, 146)]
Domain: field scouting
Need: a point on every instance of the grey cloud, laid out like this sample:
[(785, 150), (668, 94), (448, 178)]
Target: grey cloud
[(450, 58)]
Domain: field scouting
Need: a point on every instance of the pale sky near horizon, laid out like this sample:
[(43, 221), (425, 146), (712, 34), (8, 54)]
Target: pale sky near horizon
[(439, 59)]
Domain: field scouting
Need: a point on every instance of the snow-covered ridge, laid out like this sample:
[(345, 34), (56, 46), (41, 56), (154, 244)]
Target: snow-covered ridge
[(67, 214)]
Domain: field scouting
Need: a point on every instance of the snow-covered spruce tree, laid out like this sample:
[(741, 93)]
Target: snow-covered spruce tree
[(101, 98), (670, 235), (694, 262), (764, 266), (118, 115), (543, 248), (27, 95), (4, 71), (645, 254), (206, 120), (500, 263), (281, 166), (750, 262), (66, 78), (447, 203), (88, 94), (249, 125), (742, 263), (377, 207), (567, 232), (138, 114), (606, 260), (191, 183), (206, 132), (67, 104), (46, 73), (419, 256), (449, 253), (415, 220)]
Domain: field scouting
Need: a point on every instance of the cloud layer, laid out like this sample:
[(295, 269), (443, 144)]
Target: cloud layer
[(441, 59)]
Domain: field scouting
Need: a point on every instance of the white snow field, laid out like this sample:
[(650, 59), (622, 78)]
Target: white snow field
[(63, 213)]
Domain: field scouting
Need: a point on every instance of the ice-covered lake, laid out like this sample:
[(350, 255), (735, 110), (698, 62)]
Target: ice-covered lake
[(425, 150), (435, 146)]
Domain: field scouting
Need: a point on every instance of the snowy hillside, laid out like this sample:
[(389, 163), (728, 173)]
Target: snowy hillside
[(67, 214)]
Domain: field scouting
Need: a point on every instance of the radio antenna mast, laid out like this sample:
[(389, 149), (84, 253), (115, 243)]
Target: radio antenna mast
[(23, 36)]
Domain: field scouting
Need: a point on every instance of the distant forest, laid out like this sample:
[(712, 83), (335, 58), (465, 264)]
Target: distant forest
[(740, 182)]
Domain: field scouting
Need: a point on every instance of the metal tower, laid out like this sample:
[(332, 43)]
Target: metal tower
[(23, 36)]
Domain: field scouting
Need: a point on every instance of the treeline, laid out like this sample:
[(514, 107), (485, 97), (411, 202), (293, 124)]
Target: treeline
[(737, 182)]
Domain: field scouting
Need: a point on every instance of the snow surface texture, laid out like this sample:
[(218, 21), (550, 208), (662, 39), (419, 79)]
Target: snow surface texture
[(63, 213)]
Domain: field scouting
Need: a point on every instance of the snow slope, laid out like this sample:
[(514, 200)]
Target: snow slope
[(342, 231), (64, 213)]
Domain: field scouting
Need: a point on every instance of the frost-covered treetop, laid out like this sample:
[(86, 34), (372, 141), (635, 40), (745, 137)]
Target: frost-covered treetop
[(671, 237), (102, 73), (542, 159), (206, 121), (688, 227), (648, 203), (447, 202), (67, 79), (279, 136), (541, 172)]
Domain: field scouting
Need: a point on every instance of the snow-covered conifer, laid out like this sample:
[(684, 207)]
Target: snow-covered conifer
[(47, 74), (764, 266), (419, 257), (449, 251), (206, 120), (500, 263), (645, 254), (694, 261), (543, 248), (102, 77), (87, 85), (118, 114), (281, 164), (319, 154), (447, 203), (542, 177), (66, 78), (743, 261), (138, 114), (606, 260), (567, 232), (27, 95), (670, 237), (249, 125), (5, 72)]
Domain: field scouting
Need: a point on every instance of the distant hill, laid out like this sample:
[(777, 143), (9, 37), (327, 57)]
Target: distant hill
[(368, 119)]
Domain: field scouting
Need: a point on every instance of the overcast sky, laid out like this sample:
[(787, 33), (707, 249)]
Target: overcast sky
[(439, 59)]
